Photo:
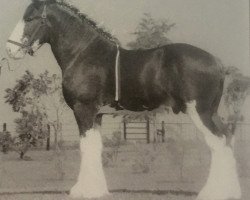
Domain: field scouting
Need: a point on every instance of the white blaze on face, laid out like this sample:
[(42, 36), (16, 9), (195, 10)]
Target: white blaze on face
[(14, 50)]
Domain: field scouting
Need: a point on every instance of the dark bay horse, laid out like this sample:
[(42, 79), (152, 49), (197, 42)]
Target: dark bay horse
[(97, 72)]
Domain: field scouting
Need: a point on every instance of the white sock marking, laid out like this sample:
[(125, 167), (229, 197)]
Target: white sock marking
[(13, 50), (211, 140), (233, 142), (222, 182), (91, 180)]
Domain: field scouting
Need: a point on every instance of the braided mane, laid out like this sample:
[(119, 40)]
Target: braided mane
[(89, 21)]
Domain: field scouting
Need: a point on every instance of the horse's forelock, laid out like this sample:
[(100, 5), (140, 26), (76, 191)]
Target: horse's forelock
[(38, 3)]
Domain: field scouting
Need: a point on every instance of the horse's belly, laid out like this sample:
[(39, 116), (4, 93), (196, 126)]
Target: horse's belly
[(141, 102)]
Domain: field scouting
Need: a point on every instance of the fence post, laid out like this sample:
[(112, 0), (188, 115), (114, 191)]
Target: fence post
[(4, 127), (163, 131), (125, 130), (148, 131), (48, 138), (4, 143)]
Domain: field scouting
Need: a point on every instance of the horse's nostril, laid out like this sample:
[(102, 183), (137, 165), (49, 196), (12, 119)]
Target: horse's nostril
[(31, 52)]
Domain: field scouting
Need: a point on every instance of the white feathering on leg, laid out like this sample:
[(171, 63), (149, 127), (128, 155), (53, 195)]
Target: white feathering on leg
[(222, 182), (91, 180)]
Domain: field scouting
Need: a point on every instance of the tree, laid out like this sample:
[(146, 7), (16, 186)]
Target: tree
[(32, 124), (235, 94), (151, 33), (40, 102)]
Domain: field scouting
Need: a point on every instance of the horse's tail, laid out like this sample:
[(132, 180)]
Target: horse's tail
[(229, 80), (219, 117), (221, 86)]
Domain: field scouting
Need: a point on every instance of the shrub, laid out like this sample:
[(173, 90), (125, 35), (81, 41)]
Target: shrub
[(109, 157)]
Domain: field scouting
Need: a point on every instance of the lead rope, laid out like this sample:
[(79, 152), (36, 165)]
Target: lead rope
[(117, 77)]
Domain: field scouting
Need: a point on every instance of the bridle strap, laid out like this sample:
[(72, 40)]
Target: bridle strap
[(17, 44)]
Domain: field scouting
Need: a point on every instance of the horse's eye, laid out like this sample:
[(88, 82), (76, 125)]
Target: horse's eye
[(28, 19)]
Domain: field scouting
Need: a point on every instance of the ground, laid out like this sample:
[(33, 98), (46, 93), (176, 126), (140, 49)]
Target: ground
[(171, 170), (112, 197)]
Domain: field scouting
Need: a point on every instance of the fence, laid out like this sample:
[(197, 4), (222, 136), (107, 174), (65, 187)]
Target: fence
[(137, 130), (142, 131)]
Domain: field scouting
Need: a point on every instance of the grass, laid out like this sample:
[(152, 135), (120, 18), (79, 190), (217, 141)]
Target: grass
[(164, 179), (111, 197)]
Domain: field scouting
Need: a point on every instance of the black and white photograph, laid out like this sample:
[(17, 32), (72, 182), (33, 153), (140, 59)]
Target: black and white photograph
[(124, 100)]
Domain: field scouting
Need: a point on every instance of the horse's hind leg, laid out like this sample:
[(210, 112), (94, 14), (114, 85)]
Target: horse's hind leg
[(91, 181), (222, 182)]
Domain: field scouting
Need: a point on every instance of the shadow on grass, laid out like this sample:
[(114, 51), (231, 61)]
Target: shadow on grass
[(154, 192)]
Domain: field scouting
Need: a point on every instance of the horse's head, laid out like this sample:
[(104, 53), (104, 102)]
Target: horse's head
[(31, 32)]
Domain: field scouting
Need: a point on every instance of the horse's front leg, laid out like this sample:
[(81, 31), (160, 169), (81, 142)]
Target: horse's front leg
[(91, 181)]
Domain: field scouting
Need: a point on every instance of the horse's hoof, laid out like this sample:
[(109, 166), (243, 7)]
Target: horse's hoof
[(77, 191)]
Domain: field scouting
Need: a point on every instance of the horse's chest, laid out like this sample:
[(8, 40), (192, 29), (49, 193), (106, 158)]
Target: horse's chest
[(84, 83)]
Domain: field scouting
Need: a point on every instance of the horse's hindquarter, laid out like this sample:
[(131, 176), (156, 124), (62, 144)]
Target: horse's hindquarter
[(200, 76)]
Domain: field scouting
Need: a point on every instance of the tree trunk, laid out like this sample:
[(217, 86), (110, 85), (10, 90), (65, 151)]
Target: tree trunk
[(21, 155), (58, 153)]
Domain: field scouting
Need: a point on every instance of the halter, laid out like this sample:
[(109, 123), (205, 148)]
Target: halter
[(44, 22)]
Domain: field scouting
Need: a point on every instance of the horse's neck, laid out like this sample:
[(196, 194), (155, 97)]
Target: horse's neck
[(70, 37)]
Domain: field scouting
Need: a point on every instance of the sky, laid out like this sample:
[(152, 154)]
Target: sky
[(220, 27)]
